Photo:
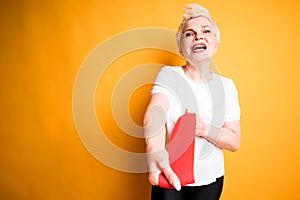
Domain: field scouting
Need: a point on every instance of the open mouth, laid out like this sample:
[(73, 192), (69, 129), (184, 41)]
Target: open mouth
[(200, 47)]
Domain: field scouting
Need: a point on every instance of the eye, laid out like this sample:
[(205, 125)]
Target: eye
[(207, 31), (188, 34)]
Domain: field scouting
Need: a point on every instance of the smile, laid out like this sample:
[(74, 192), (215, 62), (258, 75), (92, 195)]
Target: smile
[(200, 47)]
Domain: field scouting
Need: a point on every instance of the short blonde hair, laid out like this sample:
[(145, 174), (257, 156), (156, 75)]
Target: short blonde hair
[(191, 11)]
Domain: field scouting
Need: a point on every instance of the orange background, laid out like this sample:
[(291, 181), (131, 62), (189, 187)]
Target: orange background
[(43, 44)]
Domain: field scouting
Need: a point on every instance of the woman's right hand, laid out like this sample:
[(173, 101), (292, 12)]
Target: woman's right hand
[(169, 174)]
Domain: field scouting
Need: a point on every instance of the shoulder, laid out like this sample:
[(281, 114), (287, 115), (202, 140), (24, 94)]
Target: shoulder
[(167, 73), (227, 82), (170, 69)]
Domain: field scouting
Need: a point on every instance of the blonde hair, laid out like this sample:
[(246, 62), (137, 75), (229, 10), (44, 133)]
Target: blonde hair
[(194, 10)]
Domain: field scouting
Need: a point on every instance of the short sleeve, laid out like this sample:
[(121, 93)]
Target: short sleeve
[(232, 107), (164, 82), (157, 89)]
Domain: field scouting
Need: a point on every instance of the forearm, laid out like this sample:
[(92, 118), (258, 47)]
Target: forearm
[(225, 137), (154, 129), (155, 137)]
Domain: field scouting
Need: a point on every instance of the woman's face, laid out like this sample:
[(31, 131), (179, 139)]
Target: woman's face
[(198, 41)]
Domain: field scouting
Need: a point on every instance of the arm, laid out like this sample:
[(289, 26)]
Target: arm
[(155, 134), (228, 137)]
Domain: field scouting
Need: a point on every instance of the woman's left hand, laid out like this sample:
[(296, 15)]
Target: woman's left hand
[(201, 127)]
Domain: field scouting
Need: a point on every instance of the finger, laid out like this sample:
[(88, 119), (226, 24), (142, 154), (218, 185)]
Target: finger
[(186, 111), (172, 177), (153, 177), (200, 129)]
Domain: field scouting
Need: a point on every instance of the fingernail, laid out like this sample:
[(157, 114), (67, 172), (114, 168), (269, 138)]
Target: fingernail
[(177, 186)]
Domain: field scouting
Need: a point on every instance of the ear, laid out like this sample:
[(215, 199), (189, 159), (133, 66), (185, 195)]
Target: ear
[(180, 51), (216, 47)]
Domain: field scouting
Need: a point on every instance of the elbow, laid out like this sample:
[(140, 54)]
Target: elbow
[(234, 148), (236, 145)]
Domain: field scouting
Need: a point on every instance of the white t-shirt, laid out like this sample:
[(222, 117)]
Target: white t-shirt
[(215, 102)]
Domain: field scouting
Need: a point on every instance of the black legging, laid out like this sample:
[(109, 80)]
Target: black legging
[(207, 192)]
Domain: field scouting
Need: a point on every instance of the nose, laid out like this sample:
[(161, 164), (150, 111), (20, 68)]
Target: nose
[(198, 36)]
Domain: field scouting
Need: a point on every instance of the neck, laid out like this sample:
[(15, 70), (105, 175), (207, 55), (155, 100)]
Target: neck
[(198, 73)]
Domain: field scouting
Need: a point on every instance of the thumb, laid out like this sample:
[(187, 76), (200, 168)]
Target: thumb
[(172, 177), (186, 111), (153, 177)]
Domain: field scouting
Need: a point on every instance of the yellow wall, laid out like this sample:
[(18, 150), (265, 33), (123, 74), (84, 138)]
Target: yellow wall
[(43, 44)]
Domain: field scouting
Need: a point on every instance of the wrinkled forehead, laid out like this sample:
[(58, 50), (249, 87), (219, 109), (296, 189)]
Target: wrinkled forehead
[(198, 23)]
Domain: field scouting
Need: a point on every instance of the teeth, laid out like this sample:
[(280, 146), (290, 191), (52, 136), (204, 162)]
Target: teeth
[(200, 47)]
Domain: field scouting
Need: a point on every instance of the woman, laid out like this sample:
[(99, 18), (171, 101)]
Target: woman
[(217, 110)]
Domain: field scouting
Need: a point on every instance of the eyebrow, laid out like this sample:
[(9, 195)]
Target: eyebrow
[(202, 26), (189, 30)]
